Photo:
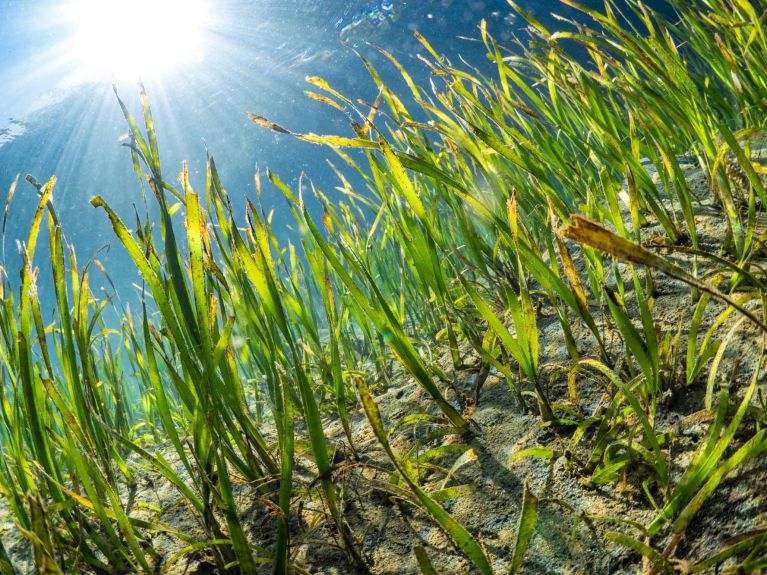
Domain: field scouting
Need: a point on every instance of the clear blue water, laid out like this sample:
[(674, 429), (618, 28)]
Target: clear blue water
[(256, 55)]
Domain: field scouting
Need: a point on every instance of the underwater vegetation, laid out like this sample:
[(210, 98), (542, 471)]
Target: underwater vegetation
[(267, 399)]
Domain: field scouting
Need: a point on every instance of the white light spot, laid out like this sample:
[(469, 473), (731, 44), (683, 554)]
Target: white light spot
[(131, 38)]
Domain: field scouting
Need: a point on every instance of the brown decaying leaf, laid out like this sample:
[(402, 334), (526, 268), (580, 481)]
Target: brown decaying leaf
[(590, 233)]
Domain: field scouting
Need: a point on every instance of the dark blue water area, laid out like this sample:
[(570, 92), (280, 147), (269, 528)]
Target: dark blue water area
[(257, 55)]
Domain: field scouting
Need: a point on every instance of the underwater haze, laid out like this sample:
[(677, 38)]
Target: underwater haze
[(59, 116)]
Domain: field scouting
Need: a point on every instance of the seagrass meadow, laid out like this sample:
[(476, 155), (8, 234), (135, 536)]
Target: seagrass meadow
[(529, 338)]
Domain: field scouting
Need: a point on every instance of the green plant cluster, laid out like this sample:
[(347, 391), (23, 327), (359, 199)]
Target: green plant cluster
[(461, 232)]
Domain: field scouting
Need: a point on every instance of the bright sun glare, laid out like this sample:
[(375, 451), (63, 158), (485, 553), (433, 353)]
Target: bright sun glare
[(135, 38)]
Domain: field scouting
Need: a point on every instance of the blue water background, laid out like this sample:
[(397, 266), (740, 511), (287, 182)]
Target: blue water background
[(259, 53)]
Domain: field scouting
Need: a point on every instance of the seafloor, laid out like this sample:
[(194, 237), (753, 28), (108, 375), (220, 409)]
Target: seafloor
[(574, 515)]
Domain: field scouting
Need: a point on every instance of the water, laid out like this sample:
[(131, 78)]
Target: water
[(219, 358), (60, 117)]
